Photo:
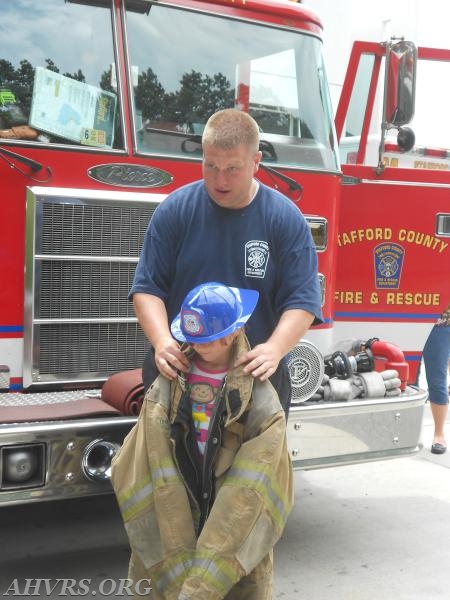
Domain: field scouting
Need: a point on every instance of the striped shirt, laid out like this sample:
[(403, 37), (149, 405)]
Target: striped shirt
[(204, 386)]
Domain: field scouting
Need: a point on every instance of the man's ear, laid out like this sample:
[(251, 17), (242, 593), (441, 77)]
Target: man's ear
[(257, 160)]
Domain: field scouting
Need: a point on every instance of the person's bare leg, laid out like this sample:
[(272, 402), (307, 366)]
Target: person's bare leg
[(439, 412)]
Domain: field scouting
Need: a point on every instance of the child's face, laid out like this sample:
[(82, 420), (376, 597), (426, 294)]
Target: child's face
[(218, 352)]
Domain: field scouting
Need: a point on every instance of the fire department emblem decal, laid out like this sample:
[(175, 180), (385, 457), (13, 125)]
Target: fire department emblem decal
[(192, 324), (256, 258), (388, 265)]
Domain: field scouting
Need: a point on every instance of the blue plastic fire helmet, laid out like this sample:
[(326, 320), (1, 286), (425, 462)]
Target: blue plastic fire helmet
[(213, 310)]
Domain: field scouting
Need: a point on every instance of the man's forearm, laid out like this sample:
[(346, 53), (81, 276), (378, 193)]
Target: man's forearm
[(291, 327), (152, 316)]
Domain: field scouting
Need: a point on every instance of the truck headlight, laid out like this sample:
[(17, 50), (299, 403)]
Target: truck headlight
[(22, 466)]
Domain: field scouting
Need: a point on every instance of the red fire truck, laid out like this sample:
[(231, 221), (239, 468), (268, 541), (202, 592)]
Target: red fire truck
[(102, 105)]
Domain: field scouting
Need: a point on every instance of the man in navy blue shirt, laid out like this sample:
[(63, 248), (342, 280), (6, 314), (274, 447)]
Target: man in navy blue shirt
[(232, 229)]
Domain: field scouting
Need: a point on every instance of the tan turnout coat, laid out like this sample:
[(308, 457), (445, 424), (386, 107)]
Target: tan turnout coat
[(231, 557)]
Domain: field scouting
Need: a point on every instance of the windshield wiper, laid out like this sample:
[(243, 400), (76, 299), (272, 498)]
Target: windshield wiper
[(33, 164), (294, 186)]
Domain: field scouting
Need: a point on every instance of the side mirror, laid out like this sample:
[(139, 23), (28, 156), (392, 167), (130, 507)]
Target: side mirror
[(400, 84), (399, 95)]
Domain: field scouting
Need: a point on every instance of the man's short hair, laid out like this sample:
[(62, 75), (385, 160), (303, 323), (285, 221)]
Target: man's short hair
[(231, 127)]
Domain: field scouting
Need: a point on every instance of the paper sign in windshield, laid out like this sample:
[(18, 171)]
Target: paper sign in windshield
[(72, 109)]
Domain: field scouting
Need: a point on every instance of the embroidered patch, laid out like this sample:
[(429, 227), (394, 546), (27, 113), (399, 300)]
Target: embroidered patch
[(256, 258), (388, 265), (191, 323)]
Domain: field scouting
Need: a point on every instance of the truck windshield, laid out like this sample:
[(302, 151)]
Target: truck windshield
[(186, 65), (57, 74)]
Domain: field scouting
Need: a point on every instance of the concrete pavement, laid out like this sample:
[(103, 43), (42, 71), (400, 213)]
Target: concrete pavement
[(370, 531)]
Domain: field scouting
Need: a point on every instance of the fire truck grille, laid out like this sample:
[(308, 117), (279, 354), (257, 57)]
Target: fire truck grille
[(82, 251), (84, 349), (77, 290), (86, 230)]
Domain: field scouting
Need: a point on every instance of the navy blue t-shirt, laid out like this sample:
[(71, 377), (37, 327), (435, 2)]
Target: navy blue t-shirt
[(266, 246)]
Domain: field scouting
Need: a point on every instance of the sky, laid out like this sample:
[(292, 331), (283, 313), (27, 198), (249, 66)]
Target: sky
[(425, 22)]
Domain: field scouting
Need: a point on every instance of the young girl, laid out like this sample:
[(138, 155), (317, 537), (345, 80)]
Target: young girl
[(204, 480)]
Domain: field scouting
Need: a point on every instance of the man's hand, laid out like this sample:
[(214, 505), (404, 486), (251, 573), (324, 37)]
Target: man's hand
[(169, 359), (152, 316), (261, 361)]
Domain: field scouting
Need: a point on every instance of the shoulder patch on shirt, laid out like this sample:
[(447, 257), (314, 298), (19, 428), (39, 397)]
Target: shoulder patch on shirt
[(256, 258)]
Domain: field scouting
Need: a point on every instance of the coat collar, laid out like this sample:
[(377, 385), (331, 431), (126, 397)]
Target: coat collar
[(238, 385)]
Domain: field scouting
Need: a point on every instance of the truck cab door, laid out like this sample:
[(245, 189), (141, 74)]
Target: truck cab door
[(393, 255)]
